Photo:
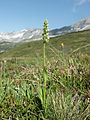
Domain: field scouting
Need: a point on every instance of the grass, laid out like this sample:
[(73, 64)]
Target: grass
[(67, 88)]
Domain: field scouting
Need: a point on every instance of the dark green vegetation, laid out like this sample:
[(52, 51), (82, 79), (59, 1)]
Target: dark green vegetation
[(68, 80)]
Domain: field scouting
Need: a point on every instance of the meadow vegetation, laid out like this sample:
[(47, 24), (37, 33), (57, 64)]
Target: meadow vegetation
[(47, 80)]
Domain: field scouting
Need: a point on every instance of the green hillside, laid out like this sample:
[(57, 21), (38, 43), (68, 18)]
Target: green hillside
[(73, 43)]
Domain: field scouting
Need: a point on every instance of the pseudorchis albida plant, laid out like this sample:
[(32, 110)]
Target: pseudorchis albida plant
[(45, 34)]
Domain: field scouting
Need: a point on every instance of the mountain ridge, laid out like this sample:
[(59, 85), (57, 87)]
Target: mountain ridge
[(33, 34), (83, 24), (11, 38)]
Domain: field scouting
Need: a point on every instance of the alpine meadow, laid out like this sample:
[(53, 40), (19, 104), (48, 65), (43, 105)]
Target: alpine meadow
[(45, 72), (42, 80)]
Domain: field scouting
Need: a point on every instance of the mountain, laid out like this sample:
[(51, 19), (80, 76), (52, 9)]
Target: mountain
[(60, 31), (20, 35), (83, 24), (9, 40)]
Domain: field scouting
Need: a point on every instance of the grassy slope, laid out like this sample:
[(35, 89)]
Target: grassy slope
[(72, 41)]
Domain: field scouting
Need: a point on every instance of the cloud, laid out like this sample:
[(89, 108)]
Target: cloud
[(79, 3)]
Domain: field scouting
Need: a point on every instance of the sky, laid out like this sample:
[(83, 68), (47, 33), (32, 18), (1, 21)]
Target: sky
[(16, 15)]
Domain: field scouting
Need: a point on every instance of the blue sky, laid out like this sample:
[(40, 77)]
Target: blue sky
[(19, 14)]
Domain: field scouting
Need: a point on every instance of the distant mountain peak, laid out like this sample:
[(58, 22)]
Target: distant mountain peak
[(87, 20), (83, 24)]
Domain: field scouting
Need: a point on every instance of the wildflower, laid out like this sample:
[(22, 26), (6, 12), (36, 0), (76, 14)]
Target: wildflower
[(62, 45), (4, 62)]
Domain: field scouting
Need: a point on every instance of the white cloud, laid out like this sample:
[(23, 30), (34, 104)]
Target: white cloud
[(79, 3)]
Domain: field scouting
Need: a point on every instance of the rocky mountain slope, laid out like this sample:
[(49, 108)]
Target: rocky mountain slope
[(81, 25)]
